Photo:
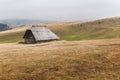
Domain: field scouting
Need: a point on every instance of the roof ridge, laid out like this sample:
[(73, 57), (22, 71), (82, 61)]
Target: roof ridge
[(39, 25)]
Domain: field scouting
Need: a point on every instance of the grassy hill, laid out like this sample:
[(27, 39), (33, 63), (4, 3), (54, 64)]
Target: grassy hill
[(62, 60), (11, 36), (99, 29), (72, 31)]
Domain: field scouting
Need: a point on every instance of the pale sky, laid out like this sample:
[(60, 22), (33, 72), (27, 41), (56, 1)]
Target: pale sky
[(60, 10)]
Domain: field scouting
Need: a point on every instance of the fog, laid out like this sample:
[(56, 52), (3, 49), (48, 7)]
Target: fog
[(59, 10)]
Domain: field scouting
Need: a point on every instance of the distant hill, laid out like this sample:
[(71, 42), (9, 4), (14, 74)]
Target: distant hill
[(3, 27), (98, 29), (73, 31), (21, 22)]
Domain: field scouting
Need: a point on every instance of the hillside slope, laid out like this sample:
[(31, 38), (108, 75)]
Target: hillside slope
[(62, 60), (72, 31), (15, 35), (99, 29)]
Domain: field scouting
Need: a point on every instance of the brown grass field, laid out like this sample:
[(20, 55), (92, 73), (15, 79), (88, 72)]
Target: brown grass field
[(86, 51), (61, 60)]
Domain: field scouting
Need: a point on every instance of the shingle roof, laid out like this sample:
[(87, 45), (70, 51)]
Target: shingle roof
[(43, 33)]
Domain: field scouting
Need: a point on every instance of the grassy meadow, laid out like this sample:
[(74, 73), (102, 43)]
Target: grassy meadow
[(61, 60), (74, 31), (85, 51)]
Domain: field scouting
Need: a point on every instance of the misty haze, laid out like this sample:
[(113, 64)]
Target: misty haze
[(59, 10)]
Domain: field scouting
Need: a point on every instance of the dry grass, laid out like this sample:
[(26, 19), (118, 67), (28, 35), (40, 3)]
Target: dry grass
[(72, 31), (15, 35), (62, 60)]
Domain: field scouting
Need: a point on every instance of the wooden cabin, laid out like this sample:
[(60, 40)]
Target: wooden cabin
[(39, 34)]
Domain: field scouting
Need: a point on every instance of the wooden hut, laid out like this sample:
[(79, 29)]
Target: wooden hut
[(39, 34)]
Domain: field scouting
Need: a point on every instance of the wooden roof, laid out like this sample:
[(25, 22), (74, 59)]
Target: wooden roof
[(43, 33)]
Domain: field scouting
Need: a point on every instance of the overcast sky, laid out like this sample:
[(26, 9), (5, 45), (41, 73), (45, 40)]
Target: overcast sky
[(60, 10)]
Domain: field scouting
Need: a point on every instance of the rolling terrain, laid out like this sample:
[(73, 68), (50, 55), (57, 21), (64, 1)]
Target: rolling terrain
[(15, 35), (86, 51), (73, 31)]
